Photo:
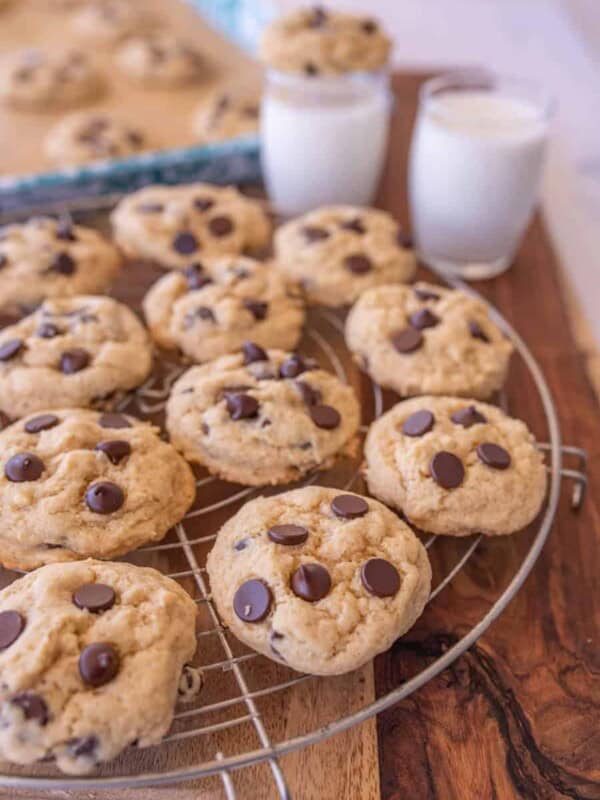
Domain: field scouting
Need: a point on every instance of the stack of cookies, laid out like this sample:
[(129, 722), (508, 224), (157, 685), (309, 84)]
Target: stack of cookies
[(318, 579)]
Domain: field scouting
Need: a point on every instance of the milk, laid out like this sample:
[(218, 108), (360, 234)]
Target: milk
[(323, 141), (474, 177)]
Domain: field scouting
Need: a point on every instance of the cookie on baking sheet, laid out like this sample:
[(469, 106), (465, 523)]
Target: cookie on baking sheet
[(175, 225), (337, 252), (106, 22), (226, 115), (456, 466), (76, 483), (315, 41), (46, 257), (71, 352), (426, 339), (215, 305), (91, 656), (48, 81), (318, 579), (87, 136), (160, 59), (261, 417)]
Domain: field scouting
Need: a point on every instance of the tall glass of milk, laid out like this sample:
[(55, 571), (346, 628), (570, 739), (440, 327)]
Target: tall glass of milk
[(475, 169), (323, 138)]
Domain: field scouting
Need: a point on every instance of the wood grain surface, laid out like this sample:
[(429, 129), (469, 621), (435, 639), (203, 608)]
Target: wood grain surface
[(517, 716)]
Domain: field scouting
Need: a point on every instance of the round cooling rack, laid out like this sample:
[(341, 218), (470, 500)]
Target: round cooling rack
[(235, 721)]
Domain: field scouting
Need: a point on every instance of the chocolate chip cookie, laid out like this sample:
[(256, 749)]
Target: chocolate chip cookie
[(48, 81), (47, 257), (318, 579), (107, 22), (87, 136), (262, 417), (71, 352), (314, 41), (215, 305), (176, 225), (226, 116), (427, 339), (337, 252), (160, 59), (91, 655), (456, 467), (77, 484)]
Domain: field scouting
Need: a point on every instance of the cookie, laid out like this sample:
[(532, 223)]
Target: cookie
[(456, 467), (261, 417), (48, 81), (106, 22), (47, 257), (426, 339), (318, 579), (337, 252), (87, 136), (175, 225), (77, 484), (313, 41), (160, 59), (91, 657), (71, 352), (226, 116), (216, 305)]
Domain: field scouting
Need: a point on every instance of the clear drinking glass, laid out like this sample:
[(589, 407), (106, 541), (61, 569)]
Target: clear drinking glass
[(475, 169), (323, 138)]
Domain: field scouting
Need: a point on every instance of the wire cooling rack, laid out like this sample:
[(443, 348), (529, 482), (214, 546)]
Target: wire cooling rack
[(235, 720)]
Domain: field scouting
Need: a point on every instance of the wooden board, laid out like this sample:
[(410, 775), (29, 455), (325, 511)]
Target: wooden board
[(518, 715)]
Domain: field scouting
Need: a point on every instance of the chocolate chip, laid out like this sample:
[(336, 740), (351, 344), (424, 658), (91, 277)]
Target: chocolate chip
[(203, 203), (287, 534), (104, 497), (477, 331), (75, 360), (314, 234), (358, 264), (98, 663), (135, 138), (47, 330), (418, 423), (424, 318), (252, 601), (3, 260), (311, 69), (5, 420), (355, 225), (94, 597), (12, 625), (369, 26), (150, 208), (311, 582), (379, 577), (64, 230), (256, 308), (242, 544), (252, 353), (493, 455), (23, 467), (447, 470), (202, 312), (467, 417), (42, 423), (112, 420), (32, 705), (349, 506), (404, 240), (318, 17), (195, 276), (424, 294), (10, 349), (292, 367), (185, 243), (63, 264), (83, 746), (115, 450), (309, 394), (324, 416), (241, 406), (407, 340), (220, 226), (204, 428)]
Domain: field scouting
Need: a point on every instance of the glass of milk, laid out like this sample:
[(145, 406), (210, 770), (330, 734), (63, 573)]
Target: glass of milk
[(475, 169), (323, 138)]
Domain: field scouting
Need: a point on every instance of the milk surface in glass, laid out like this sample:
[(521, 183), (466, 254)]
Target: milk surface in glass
[(323, 140), (475, 170)]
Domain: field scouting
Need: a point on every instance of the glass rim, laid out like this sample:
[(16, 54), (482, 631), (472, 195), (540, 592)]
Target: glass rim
[(325, 80), (487, 80)]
